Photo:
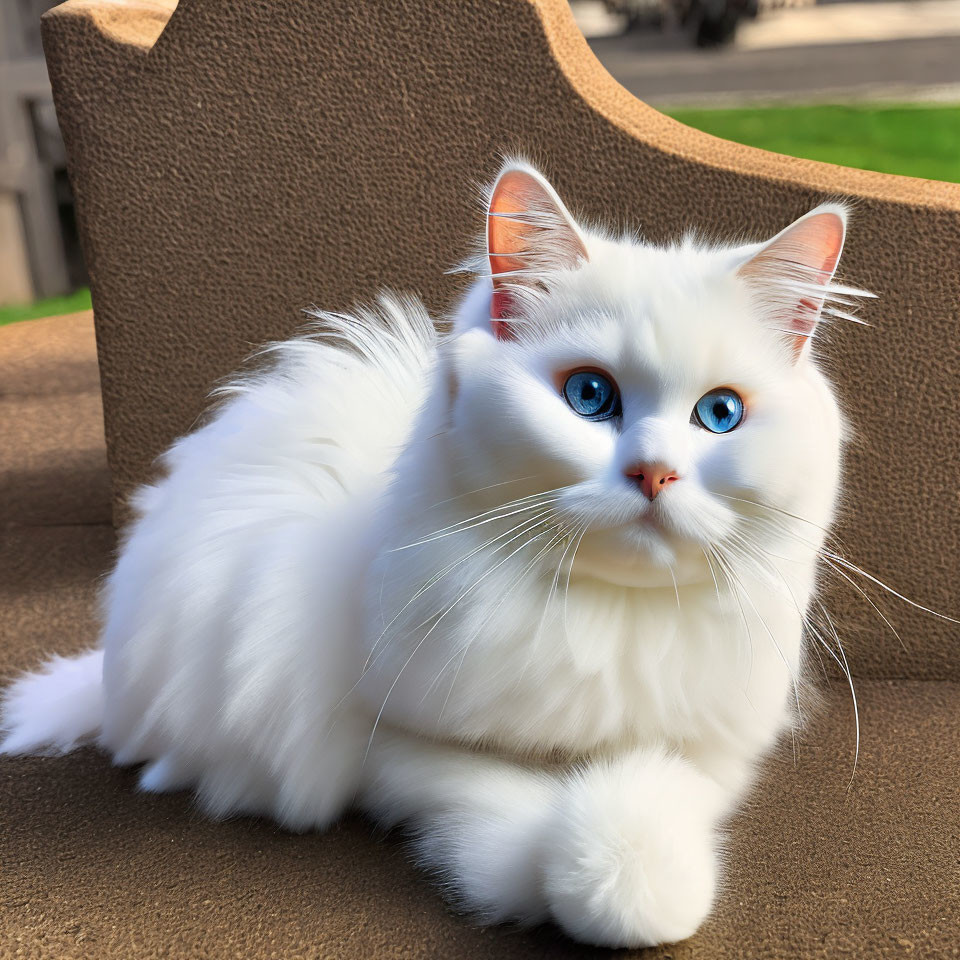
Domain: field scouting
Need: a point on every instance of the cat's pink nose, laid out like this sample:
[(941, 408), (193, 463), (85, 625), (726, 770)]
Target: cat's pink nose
[(651, 478)]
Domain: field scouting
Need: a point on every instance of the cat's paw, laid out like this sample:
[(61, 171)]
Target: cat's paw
[(631, 861)]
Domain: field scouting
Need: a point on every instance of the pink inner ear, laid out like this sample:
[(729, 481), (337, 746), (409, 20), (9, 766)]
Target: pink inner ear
[(527, 226), (502, 310), (824, 239), (821, 240), (508, 227), (507, 240), (807, 251)]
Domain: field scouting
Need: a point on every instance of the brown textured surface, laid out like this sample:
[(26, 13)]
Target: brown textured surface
[(260, 157), (56, 534), (51, 382), (251, 163), (91, 869)]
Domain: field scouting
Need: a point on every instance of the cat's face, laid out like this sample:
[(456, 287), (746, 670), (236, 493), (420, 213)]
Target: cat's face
[(653, 391)]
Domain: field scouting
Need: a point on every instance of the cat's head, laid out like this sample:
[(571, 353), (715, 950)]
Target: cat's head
[(653, 391)]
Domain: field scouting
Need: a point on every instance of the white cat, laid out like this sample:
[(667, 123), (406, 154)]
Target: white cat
[(536, 587)]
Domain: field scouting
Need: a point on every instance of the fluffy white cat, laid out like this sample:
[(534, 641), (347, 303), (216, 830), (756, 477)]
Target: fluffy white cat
[(535, 587)]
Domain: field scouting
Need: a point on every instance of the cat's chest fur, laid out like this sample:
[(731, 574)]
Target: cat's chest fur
[(501, 649)]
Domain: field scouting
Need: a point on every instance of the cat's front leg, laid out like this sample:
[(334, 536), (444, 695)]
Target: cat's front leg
[(620, 852), (631, 855), (479, 821)]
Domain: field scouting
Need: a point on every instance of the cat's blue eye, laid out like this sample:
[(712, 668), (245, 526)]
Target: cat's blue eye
[(719, 411), (591, 395)]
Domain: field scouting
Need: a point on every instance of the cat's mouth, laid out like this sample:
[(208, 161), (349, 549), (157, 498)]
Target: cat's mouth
[(648, 520), (652, 517)]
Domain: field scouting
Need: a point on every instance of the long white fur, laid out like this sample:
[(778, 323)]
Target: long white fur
[(397, 570)]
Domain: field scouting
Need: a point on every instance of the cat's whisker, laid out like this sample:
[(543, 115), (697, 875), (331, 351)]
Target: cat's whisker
[(834, 568), (716, 585), (845, 667), (469, 493), (569, 535), (676, 588), (769, 506), (439, 620), (836, 563), (834, 560), (557, 539), (853, 568), (530, 502), (523, 526), (790, 671), (566, 589), (504, 506), (743, 614), (814, 633), (762, 555), (707, 552), (831, 564), (461, 528), (839, 570), (555, 585)]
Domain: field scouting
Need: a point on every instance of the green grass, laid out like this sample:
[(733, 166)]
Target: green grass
[(53, 307), (911, 140)]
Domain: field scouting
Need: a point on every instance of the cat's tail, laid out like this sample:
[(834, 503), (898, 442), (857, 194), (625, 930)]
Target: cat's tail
[(52, 710)]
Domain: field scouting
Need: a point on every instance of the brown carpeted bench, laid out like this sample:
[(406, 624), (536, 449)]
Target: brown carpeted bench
[(236, 161)]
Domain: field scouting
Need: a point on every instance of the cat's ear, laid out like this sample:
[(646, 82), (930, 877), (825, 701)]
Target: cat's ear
[(529, 234), (793, 270)]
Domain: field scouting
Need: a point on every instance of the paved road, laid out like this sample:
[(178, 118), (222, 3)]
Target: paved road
[(666, 71), (796, 55)]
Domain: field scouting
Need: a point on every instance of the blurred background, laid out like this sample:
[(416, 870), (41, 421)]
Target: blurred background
[(864, 83)]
